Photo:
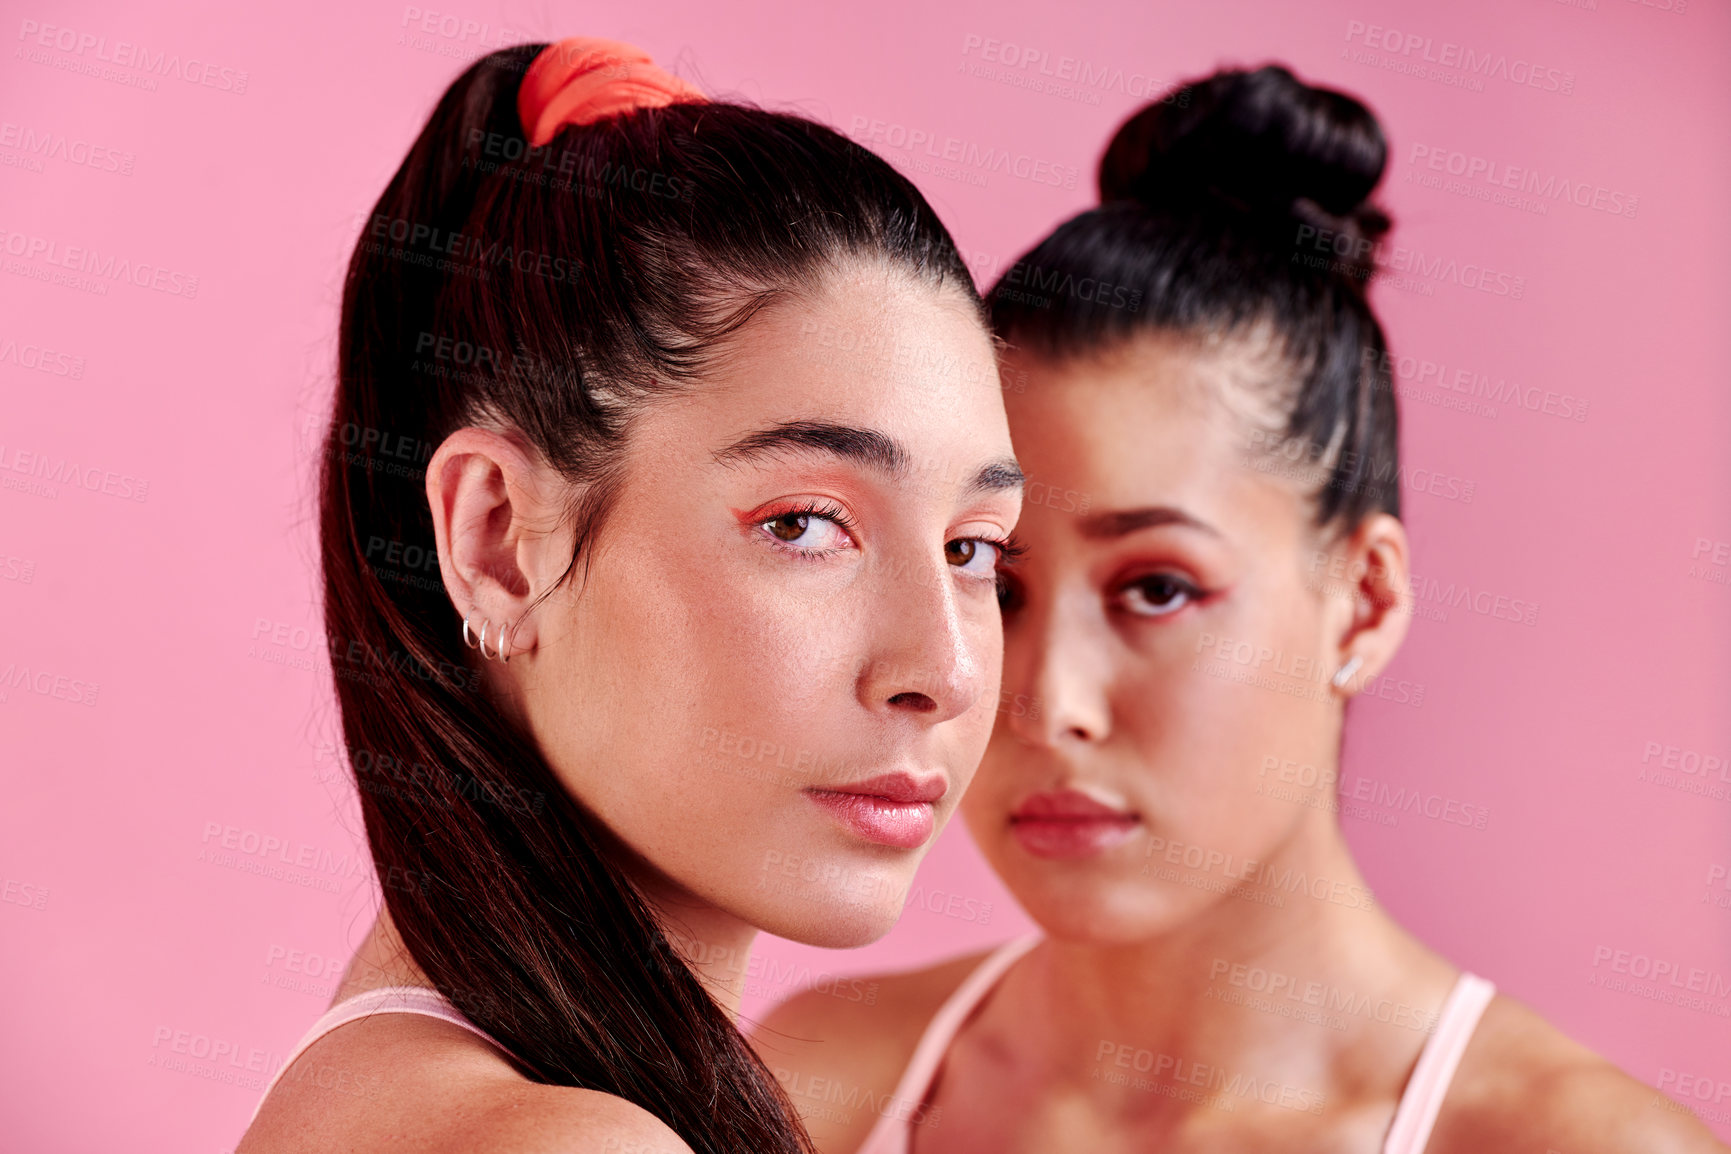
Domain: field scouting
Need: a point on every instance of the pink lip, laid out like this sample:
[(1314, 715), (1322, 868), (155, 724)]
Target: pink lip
[(1066, 823), (893, 809)]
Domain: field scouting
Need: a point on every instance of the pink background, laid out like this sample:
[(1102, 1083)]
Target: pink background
[(194, 611)]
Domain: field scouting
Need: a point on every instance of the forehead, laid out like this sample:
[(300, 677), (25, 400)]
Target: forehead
[(868, 341), (869, 348), (1157, 420)]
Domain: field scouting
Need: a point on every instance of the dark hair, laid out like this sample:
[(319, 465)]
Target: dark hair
[(1236, 203), (554, 290)]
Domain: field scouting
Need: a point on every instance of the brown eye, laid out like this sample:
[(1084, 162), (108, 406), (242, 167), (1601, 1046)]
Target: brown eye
[(1158, 595), (974, 556), (789, 526), (811, 533)]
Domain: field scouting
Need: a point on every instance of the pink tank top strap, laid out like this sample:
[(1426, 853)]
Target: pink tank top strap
[(890, 1134), (1429, 1085), (384, 1000)]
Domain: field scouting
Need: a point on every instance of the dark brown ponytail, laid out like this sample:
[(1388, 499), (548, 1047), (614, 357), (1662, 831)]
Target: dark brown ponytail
[(554, 290)]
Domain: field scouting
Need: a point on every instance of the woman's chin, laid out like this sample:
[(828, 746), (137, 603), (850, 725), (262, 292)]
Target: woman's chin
[(832, 921), (1097, 910)]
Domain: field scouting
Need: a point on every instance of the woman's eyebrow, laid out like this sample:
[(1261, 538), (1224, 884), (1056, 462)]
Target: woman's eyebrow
[(850, 442), (998, 476), (1113, 523), (868, 447)]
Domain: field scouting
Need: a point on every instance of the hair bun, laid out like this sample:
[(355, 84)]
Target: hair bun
[(1263, 140)]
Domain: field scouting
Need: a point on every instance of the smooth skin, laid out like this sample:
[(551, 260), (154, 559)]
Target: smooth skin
[(1192, 533), (831, 595)]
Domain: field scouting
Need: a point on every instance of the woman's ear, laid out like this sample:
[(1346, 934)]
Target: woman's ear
[(495, 514), (1370, 580)]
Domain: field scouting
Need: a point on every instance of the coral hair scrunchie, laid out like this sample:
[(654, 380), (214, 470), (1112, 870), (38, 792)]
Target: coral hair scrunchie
[(582, 79)]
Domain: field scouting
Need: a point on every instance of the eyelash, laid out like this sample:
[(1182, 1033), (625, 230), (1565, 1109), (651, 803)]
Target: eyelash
[(830, 512), (1008, 549), (1192, 592)]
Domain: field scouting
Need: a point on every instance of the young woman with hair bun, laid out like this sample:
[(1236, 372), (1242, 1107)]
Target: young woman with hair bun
[(714, 596), (1203, 366)]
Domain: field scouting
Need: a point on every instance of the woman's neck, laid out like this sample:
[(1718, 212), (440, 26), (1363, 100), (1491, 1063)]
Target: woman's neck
[(382, 959), (716, 945), (1318, 991)]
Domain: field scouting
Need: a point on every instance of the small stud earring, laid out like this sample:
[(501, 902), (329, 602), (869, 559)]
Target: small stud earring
[(1345, 672)]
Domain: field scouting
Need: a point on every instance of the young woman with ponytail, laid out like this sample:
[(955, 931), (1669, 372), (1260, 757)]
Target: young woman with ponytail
[(1203, 367), (718, 478)]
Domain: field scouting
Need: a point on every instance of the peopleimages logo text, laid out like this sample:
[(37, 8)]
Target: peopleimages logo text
[(1485, 64), (122, 54), (80, 259)]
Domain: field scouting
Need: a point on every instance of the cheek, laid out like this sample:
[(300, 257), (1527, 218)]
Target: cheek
[(732, 640), (985, 807), (648, 671), (1006, 772), (1208, 728), (1191, 734), (984, 637)]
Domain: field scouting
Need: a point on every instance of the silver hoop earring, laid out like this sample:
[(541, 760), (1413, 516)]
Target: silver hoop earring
[(467, 639), (504, 652), (484, 654), (1345, 672)]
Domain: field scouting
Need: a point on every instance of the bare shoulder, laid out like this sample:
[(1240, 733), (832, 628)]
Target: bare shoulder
[(837, 1048), (1525, 1086), (403, 1081)]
